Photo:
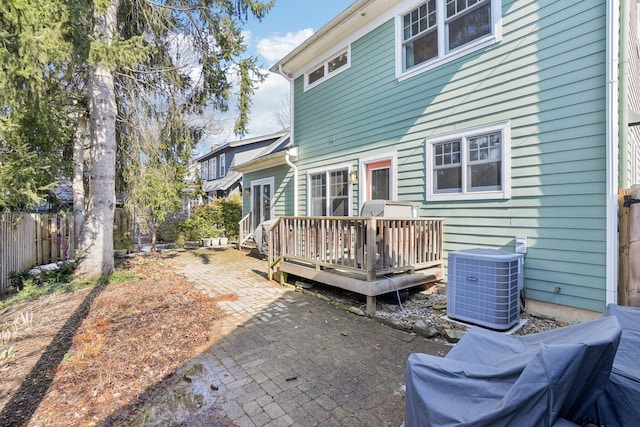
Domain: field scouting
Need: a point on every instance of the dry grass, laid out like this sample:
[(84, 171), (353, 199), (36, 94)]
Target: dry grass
[(136, 334)]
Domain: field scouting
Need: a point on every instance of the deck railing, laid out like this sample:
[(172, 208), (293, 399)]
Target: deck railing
[(369, 246)]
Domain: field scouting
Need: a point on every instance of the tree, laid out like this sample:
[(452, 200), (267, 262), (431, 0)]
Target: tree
[(36, 109), (135, 40)]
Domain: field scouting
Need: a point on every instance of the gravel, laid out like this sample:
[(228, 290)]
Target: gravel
[(426, 306)]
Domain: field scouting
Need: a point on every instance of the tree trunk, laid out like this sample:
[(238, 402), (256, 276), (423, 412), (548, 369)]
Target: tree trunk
[(154, 235), (80, 139), (96, 242)]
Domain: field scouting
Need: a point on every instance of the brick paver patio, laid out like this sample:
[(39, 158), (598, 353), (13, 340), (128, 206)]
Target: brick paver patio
[(283, 358)]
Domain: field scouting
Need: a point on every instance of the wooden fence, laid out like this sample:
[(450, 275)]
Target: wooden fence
[(27, 240), (629, 248)]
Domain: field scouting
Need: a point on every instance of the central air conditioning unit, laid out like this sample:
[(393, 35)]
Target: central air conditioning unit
[(483, 287)]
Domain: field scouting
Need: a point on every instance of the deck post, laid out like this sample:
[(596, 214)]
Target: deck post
[(371, 305), (370, 258)]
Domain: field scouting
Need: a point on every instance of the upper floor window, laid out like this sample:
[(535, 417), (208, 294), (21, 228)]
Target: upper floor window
[(439, 29), (472, 164), (327, 69), (204, 170), (213, 168), (223, 166)]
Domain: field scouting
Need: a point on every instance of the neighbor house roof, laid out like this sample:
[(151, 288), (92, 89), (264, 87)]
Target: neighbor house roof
[(274, 155), (222, 184), (241, 143)]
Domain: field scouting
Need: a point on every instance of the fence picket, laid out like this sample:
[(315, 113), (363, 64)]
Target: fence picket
[(37, 239)]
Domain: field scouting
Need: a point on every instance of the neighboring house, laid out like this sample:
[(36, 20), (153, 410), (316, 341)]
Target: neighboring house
[(216, 167), (509, 118)]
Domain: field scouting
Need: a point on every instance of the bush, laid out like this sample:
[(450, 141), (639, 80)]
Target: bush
[(231, 214), (168, 230), (218, 218)]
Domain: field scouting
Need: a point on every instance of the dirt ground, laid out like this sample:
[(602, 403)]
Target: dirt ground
[(93, 356)]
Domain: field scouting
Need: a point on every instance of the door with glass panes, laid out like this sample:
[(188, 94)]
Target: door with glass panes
[(261, 198)]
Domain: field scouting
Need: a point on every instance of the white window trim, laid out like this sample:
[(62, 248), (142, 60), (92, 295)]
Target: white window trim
[(444, 57), (362, 176), (504, 193), (222, 166), (326, 170), (325, 63)]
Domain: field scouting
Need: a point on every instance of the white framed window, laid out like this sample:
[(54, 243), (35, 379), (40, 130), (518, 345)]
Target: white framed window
[(204, 170), (436, 31), (213, 163), (329, 192), (223, 166), (332, 66), (470, 165)]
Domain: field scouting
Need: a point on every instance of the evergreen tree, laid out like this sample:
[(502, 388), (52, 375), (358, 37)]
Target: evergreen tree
[(136, 61), (36, 99)]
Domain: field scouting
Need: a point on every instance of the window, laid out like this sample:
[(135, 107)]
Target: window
[(329, 193), (438, 29), (473, 164), (212, 168), (223, 166), (332, 66), (204, 170)]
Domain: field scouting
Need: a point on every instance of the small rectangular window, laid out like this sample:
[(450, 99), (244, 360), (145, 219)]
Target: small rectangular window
[(316, 75), (337, 62), (329, 68)]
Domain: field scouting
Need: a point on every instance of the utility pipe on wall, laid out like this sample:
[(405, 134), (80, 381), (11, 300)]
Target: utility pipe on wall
[(612, 149), (291, 139)]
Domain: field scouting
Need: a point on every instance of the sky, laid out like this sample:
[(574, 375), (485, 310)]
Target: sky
[(287, 25)]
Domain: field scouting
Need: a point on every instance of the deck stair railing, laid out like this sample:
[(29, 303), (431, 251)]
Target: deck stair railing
[(246, 230), (367, 246)]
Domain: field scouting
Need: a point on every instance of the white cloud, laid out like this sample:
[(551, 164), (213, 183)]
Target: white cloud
[(277, 47), (267, 99)]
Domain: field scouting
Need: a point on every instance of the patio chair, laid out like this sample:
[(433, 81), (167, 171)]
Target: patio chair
[(493, 379)]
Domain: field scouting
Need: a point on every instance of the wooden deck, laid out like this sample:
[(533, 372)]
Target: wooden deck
[(367, 255)]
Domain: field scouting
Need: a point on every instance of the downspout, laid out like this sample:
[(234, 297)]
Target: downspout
[(287, 159), (625, 29), (291, 138), (612, 147)]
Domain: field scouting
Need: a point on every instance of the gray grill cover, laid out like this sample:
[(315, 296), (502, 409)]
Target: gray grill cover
[(261, 236), (493, 379), (619, 405)]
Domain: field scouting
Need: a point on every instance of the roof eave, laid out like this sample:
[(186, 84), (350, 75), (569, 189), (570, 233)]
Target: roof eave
[(327, 32)]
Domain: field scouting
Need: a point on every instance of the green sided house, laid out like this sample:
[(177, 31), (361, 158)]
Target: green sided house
[(512, 120)]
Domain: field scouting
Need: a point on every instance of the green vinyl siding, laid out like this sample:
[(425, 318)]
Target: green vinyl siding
[(547, 78), (282, 193)]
